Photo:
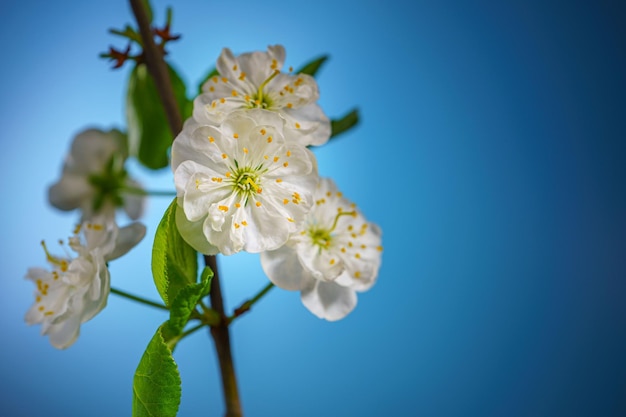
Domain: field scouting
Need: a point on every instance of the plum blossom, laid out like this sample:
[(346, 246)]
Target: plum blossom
[(254, 80), (240, 185), (335, 254), (77, 287), (94, 179)]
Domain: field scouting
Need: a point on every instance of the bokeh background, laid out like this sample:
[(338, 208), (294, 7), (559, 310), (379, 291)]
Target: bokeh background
[(491, 152)]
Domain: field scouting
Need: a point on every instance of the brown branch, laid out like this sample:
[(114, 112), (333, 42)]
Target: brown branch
[(221, 335), (157, 68)]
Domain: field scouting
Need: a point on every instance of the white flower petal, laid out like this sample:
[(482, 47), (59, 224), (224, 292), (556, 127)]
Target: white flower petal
[(283, 268), (62, 335), (193, 234), (70, 192), (307, 125), (327, 300), (128, 237), (93, 148)]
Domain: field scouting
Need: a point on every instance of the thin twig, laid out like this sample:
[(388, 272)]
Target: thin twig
[(247, 305), (138, 299)]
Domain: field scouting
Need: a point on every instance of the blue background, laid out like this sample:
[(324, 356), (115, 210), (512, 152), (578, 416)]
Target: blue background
[(491, 152)]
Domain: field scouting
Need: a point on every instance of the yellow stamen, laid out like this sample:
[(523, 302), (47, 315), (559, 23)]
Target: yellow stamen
[(252, 183)]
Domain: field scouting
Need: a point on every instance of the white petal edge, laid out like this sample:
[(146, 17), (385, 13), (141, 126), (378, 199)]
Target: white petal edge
[(327, 300), (283, 268)]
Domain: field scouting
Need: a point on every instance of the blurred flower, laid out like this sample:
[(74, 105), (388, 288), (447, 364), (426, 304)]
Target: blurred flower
[(77, 287), (240, 186), (94, 179), (254, 81), (335, 254)]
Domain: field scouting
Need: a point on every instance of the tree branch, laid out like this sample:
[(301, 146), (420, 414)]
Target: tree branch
[(157, 68), (221, 336)]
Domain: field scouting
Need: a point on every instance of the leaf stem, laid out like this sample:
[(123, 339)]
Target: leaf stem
[(138, 299), (247, 305), (192, 330)]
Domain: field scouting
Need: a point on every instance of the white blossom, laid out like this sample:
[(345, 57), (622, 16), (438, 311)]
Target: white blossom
[(334, 255), (94, 179), (254, 81), (240, 185), (76, 288)]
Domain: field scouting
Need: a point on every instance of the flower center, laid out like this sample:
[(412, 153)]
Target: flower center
[(260, 100), (61, 263), (323, 237), (109, 183), (246, 182)]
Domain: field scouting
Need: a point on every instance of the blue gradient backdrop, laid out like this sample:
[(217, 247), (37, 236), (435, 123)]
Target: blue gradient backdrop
[(491, 151)]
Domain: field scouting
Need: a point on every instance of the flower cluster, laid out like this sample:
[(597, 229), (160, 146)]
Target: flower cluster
[(94, 179), (76, 288), (95, 182), (247, 181)]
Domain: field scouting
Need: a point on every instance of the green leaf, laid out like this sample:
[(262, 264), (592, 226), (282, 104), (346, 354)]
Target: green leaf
[(149, 135), (185, 303), (347, 122), (212, 73), (174, 262), (312, 67), (157, 383)]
